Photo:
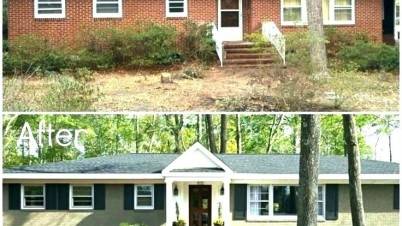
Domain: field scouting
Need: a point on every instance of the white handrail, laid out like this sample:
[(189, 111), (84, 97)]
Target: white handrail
[(216, 36), (273, 35)]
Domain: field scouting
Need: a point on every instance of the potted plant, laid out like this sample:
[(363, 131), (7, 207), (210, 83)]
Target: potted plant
[(219, 222), (179, 223)]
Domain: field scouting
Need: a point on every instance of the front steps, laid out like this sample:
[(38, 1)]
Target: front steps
[(246, 54)]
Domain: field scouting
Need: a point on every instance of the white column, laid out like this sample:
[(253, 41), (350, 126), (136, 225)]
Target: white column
[(170, 208), (226, 202)]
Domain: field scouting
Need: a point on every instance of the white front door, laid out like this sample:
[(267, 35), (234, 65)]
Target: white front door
[(230, 19)]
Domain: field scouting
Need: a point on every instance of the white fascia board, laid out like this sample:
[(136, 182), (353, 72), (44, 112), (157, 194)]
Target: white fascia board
[(81, 176), (323, 178)]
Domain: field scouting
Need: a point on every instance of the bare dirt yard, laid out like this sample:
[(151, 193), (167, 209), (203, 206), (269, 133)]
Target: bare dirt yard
[(222, 89)]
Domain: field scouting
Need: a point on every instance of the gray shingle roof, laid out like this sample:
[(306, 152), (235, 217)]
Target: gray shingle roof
[(155, 163)]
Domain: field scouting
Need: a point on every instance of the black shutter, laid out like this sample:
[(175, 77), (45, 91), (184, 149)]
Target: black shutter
[(159, 196), (331, 202), (14, 196), (99, 197), (63, 197), (129, 196), (396, 197), (51, 196), (240, 202)]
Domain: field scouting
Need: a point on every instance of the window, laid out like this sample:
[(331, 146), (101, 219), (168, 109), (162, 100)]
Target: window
[(107, 8), (176, 8), (144, 197), (271, 202), (81, 196), (336, 12), (33, 197), (294, 12), (50, 8), (343, 10), (258, 196), (285, 198)]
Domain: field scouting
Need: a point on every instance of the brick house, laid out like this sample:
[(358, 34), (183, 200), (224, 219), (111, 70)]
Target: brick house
[(247, 190), (63, 19)]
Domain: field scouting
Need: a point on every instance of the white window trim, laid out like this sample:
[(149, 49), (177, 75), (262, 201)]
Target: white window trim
[(151, 207), (331, 21), (119, 14), (173, 14), (23, 207), (271, 216), (295, 23), (72, 207), (50, 16)]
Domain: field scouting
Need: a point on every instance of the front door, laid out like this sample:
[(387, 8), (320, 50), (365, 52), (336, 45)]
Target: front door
[(230, 19), (200, 205)]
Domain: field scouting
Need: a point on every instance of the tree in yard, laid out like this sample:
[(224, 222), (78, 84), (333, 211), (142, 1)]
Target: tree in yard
[(223, 133), (176, 130), (199, 127), (355, 187), (274, 126), (308, 170), (238, 134), (318, 53), (211, 135)]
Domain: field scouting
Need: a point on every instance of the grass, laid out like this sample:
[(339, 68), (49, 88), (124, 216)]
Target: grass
[(220, 89)]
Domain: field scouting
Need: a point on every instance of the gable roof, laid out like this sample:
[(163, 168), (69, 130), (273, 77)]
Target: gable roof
[(155, 163), (196, 159)]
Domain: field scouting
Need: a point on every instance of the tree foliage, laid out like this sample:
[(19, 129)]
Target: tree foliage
[(115, 134)]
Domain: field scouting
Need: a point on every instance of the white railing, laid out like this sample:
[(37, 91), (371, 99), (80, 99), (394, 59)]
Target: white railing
[(216, 36), (273, 35)]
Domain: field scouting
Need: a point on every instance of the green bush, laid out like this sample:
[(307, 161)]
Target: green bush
[(370, 56), (197, 42), (144, 45), (29, 54)]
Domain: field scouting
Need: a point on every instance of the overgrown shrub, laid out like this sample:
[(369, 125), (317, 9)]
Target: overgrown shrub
[(71, 91), (337, 39), (197, 42), (297, 50), (142, 45), (370, 56), (29, 54)]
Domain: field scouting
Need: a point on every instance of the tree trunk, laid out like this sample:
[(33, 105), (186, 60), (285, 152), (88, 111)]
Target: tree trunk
[(136, 134), (211, 135), (355, 188), (223, 133), (199, 128), (238, 134), (308, 170), (276, 122), (318, 51), (175, 128), (390, 148)]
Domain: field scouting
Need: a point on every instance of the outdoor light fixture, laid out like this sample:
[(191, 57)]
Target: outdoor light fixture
[(175, 191), (222, 191)]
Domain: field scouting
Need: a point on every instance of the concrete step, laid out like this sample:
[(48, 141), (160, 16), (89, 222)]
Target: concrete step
[(247, 55), (237, 45), (254, 61)]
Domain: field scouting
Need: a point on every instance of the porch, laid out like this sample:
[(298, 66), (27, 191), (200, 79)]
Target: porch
[(198, 201)]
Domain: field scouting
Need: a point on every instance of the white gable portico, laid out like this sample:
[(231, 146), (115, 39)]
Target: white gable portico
[(198, 187)]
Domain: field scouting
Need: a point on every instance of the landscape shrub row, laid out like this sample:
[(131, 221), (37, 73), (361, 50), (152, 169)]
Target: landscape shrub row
[(139, 45), (345, 50)]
